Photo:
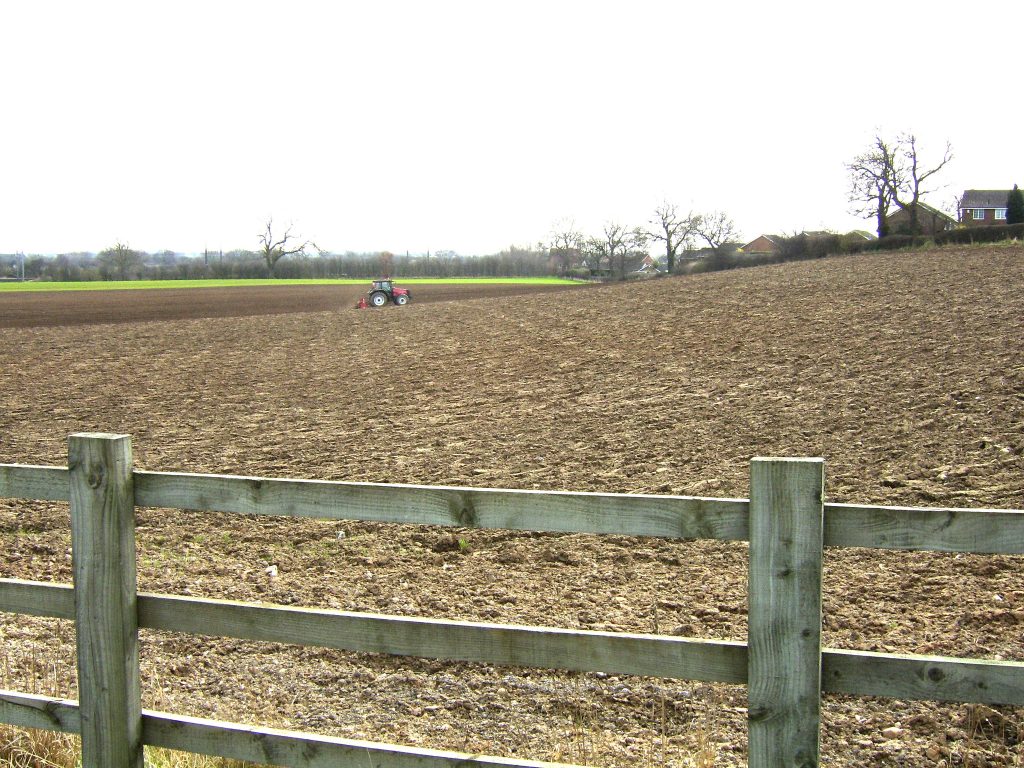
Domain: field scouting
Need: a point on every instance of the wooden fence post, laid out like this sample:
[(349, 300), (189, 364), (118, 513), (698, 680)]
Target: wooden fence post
[(784, 618), (106, 623)]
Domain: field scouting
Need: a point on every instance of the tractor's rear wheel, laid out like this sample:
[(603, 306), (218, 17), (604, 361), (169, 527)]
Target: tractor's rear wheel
[(378, 299), (401, 300)]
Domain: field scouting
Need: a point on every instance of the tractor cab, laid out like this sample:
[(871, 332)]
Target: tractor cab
[(382, 285)]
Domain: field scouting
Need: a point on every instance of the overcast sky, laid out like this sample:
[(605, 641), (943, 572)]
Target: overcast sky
[(470, 126)]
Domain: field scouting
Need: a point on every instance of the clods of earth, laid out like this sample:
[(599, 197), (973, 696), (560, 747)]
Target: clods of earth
[(904, 371)]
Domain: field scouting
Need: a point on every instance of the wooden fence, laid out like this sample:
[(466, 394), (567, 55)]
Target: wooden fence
[(783, 664)]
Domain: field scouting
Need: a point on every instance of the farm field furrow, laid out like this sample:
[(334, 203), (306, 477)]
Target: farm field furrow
[(904, 371), (29, 309)]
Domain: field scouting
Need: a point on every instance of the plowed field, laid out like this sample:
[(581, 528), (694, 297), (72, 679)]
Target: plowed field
[(905, 372), (32, 309)]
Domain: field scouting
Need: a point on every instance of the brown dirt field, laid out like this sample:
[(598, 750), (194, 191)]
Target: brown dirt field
[(42, 308), (905, 371)]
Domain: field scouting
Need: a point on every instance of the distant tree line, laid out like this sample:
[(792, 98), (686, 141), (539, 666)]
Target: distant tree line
[(616, 252), (890, 174), (120, 262), (618, 249)]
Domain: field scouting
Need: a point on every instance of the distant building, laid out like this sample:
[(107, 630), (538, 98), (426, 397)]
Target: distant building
[(858, 236), (768, 244), (645, 265), (763, 244), (983, 207), (929, 220)]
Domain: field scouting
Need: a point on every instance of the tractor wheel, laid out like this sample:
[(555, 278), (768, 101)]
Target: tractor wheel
[(401, 300), (378, 299)]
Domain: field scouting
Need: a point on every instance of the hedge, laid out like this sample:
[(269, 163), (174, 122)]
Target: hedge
[(800, 247), (889, 243), (992, 234)]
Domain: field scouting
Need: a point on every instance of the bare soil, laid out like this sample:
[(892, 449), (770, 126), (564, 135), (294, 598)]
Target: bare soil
[(904, 371), (43, 308)]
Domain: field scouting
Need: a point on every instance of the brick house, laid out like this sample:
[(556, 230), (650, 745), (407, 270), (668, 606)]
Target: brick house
[(983, 207), (929, 220), (769, 244), (762, 244)]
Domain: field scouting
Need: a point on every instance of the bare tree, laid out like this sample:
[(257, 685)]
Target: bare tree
[(594, 252), (873, 176), (447, 258), (387, 263), (907, 195), (892, 173), (566, 247), (617, 244), (275, 248), (672, 229), (715, 228)]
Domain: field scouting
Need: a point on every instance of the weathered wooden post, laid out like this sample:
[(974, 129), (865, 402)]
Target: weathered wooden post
[(784, 629), (103, 556)]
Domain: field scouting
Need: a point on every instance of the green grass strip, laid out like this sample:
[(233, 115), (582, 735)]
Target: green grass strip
[(136, 285)]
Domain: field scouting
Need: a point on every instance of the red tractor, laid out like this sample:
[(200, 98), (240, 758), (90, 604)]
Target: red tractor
[(384, 291)]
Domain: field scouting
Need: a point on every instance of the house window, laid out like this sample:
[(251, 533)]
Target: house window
[(1000, 214), (978, 214)]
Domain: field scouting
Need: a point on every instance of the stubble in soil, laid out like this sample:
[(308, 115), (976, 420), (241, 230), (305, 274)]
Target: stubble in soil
[(903, 372)]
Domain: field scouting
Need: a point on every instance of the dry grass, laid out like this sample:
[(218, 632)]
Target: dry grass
[(586, 740), (37, 748), (31, 747)]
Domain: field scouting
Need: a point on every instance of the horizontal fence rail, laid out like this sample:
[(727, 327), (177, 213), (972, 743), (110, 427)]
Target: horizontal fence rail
[(254, 744), (931, 678), (782, 663), (980, 531)]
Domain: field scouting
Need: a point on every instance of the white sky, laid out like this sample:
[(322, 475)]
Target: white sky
[(471, 126)]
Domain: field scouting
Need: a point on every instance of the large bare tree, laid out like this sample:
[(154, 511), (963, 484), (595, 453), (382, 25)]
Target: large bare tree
[(893, 173), (715, 228), (276, 247), (566, 245), (594, 252), (915, 176), (672, 229), (616, 245), (873, 176)]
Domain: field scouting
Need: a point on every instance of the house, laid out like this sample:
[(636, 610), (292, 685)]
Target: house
[(769, 244), (983, 207), (725, 249), (858, 236), (929, 220), (763, 244), (645, 266)]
